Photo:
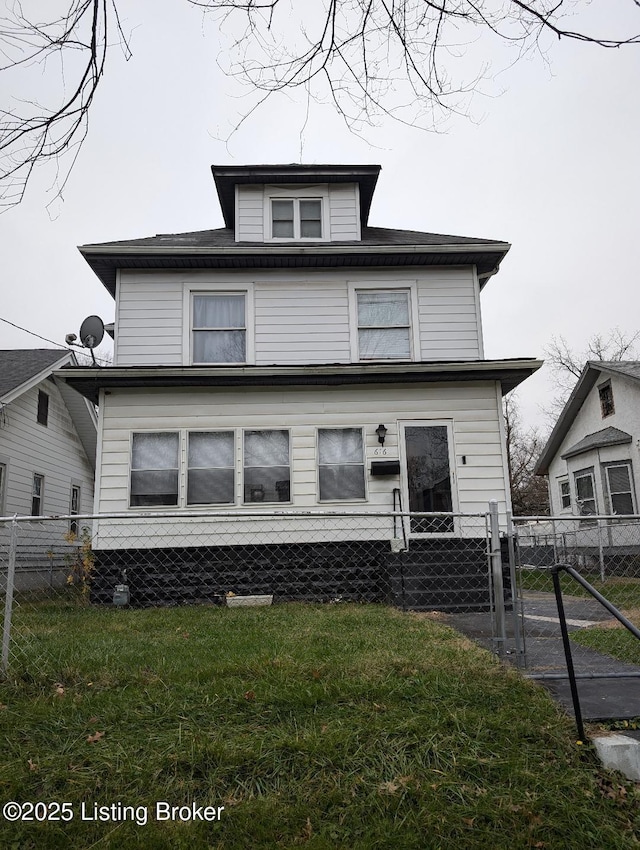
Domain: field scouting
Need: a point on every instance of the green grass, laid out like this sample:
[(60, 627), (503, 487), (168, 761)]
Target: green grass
[(315, 726), (622, 592)]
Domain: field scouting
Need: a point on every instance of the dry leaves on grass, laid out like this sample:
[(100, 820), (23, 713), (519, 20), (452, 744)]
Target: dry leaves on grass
[(92, 739)]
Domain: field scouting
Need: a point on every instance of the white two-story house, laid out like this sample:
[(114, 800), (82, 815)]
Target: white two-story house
[(295, 360)]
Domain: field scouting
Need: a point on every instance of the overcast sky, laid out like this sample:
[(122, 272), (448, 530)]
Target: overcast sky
[(549, 163)]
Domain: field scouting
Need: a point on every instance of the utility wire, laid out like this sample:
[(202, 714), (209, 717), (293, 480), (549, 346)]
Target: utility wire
[(44, 338)]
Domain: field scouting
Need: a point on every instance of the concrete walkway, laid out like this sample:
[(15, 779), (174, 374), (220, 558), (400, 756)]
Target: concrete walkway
[(609, 689)]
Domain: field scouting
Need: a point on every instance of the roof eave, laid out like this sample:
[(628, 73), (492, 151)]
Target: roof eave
[(509, 373)]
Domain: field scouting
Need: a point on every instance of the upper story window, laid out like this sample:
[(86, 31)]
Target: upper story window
[(384, 326), (606, 399), (296, 218), (219, 328), (43, 408)]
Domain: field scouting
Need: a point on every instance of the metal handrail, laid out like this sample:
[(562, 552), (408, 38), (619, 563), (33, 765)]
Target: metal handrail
[(555, 573)]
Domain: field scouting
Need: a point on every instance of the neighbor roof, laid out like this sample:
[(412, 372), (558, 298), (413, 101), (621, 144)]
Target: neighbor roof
[(594, 368), (19, 365), (599, 440), (379, 246)]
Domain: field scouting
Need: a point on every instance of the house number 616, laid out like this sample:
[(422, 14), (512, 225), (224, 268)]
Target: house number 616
[(380, 451)]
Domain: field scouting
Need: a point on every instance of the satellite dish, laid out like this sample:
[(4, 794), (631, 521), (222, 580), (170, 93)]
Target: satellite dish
[(91, 332)]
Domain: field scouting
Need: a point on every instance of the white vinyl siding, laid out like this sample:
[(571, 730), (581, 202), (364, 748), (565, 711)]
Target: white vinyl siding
[(249, 214), (471, 407), (344, 213), (55, 452), (297, 317), (149, 320)]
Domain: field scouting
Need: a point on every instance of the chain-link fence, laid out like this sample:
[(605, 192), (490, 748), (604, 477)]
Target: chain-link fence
[(606, 552), (419, 562), (492, 582)]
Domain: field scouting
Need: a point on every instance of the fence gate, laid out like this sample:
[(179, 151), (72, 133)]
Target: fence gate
[(605, 550)]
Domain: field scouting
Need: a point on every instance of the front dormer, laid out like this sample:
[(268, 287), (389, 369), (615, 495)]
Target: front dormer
[(296, 204)]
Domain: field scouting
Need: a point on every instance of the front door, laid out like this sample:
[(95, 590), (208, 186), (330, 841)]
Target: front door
[(428, 465)]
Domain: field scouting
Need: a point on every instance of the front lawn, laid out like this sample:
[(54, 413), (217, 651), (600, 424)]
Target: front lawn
[(336, 726)]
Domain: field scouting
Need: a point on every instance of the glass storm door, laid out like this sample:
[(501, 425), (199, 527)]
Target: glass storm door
[(428, 465)]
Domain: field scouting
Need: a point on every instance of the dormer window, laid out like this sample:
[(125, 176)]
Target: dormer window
[(296, 218)]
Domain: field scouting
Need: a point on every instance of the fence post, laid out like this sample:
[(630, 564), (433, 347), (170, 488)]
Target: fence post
[(601, 551), (8, 600), (516, 597), (499, 633)]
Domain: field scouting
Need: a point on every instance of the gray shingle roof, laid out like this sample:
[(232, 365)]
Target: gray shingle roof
[(223, 237), (18, 365), (629, 368), (607, 437)]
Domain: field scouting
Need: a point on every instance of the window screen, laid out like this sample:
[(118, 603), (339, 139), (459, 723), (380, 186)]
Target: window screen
[(219, 328), (211, 460), (620, 489), (267, 474), (383, 325), (154, 469), (341, 464)]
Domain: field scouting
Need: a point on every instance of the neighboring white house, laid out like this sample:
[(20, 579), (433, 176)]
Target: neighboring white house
[(592, 456), (254, 365), (47, 437)]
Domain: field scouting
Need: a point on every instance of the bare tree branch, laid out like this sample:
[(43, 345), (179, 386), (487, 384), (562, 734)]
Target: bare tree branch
[(32, 132), (405, 60)]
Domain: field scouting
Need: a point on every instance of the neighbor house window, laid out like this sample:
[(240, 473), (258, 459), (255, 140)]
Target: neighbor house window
[(211, 468), (154, 469), (565, 494), (620, 488), (384, 331), (267, 473), (606, 399), (219, 328), (3, 483), (585, 492), (43, 408), (296, 218), (37, 494), (74, 509), (340, 464)]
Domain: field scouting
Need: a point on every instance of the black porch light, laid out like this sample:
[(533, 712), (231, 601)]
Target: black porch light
[(381, 431)]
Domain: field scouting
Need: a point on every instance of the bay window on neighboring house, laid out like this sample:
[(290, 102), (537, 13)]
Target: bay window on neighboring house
[(74, 509), (219, 328), (585, 492), (211, 468), (340, 464), (384, 324), (154, 469), (267, 470), (620, 488)]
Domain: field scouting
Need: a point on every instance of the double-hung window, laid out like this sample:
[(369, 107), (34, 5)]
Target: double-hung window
[(267, 469), (211, 468), (340, 464), (565, 494), (384, 326), (585, 491), (37, 494), (154, 469), (219, 328), (296, 218), (605, 393), (620, 488), (74, 509)]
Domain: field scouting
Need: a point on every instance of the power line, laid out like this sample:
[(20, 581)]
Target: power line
[(44, 339)]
